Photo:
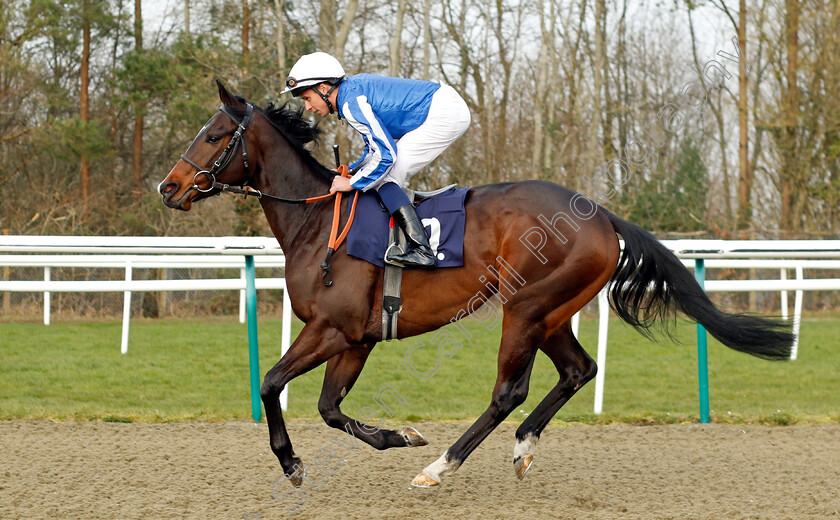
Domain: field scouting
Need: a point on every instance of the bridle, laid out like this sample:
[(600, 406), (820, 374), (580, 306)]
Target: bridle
[(227, 156)]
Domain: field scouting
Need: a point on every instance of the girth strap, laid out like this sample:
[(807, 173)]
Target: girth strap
[(392, 284)]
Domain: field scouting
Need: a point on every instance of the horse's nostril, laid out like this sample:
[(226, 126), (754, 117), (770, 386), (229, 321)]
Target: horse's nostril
[(168, 188)]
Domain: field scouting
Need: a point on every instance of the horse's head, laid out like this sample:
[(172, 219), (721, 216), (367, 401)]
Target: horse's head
[(218, 154)]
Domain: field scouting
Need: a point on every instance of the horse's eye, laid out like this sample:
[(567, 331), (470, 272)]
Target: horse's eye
[(213, 138)]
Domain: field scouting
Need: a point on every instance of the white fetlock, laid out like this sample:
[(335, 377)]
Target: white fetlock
[(523, 455), (431, 476)]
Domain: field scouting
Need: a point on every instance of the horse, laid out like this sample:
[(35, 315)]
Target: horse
[(542, 250)]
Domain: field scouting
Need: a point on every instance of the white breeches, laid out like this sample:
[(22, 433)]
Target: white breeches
[(448, 119)]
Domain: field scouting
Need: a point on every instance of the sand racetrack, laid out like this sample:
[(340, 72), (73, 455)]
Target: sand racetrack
[(225, 470)]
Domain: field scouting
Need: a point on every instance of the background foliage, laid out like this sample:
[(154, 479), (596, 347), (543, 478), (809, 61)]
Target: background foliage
[(96, 102)]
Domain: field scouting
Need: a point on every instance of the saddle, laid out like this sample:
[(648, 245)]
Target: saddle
[(442, 213), (391, 297)]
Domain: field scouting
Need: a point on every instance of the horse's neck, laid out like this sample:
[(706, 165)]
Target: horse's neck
[(286, 174)]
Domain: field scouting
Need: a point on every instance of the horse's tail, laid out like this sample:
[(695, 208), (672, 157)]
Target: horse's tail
[(651, 284)]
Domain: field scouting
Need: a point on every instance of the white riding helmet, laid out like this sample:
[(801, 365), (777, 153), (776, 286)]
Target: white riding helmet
[(312, 69)]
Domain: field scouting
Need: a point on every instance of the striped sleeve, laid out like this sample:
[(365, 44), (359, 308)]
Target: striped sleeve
[(380, 148)]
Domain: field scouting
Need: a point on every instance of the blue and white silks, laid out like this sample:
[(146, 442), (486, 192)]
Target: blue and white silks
[(382, 110)]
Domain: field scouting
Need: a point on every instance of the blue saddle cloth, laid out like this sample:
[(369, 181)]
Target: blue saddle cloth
[(443, 215)]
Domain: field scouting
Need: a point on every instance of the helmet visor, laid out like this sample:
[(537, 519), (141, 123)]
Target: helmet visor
[(299, 86)]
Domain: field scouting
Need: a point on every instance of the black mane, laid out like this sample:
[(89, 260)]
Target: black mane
[(297, 130)]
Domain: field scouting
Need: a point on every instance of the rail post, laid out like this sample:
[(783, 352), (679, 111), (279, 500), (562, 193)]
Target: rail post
[(702, 349), (253, 345), (129, 276)]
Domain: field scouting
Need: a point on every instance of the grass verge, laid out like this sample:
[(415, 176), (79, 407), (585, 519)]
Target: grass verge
[(198, 371)]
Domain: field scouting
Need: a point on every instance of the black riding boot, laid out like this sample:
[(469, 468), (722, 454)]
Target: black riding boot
[(419, 253)]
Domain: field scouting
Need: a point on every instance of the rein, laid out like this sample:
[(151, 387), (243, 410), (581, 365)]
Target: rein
[(224, 161)]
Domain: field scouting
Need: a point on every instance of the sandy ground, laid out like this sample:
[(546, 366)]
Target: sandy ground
[(225, 470)]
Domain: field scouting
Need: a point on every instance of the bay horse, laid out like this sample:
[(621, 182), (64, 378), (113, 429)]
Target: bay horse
[(542, 250)]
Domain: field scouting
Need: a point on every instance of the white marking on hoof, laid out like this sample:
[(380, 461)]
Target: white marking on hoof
[(435, 471), (522, 465), (523, 454), (412, 437), (424, 481)]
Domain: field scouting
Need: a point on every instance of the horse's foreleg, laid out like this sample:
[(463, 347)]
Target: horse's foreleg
[(516, 358), (315, 344), (575, 368), (342, 372)]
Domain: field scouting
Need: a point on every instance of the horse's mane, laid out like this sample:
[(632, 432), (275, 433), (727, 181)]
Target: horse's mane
[(291, 124)]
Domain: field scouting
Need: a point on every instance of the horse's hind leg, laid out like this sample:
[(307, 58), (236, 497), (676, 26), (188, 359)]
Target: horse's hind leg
[(342, 372), (516, 358), (575, 368)]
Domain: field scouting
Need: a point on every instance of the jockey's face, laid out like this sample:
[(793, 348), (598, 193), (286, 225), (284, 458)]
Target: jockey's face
[(314, 103)]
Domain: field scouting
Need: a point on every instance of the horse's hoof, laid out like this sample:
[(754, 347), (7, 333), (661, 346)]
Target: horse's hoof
[(522, 464), (412, 437), (296, 477), (424, 481)]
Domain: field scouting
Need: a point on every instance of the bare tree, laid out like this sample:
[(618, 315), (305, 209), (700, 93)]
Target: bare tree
[(600, 74), (395, 47), (84, 99), (137, 159), (541, 88), (279, 34), (427, 37), (791, 184), (745, 172), (715, 103), (246, 36), (332, 31), (344, 28), (187, 18)]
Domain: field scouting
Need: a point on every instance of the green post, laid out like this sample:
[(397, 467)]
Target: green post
[(702, 350), (253, 343)]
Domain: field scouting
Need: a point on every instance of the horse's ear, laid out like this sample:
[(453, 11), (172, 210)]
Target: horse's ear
[(227, 98)]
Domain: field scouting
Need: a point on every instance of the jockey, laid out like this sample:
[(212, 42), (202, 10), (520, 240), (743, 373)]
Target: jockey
[(405, 124)]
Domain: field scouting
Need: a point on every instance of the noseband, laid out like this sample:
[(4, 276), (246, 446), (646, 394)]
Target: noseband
[(227, 154), (224, 161)]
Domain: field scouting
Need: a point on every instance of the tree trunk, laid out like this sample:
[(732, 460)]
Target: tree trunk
[(745, 173), (507, 57), (246, 35), (346, 26), (187, 19), (789, 174), (757, 72), (551, 91), (539, 92), (137, 163), (280, 34), (716, 105), (600, 72), (115, 52), (84, 102), (395, 47), (427, 37), (326, 25)]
